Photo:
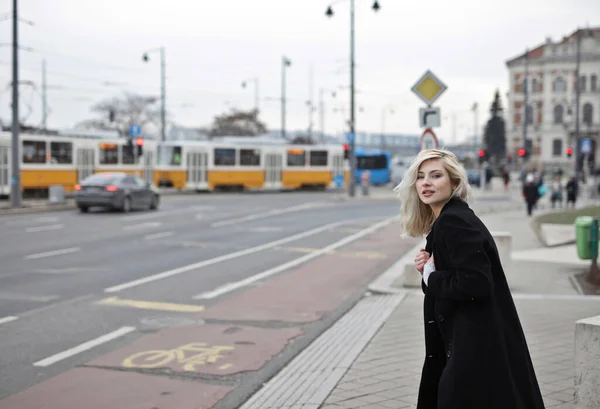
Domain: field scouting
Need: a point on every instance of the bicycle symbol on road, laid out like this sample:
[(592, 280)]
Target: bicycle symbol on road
[(203, 354)]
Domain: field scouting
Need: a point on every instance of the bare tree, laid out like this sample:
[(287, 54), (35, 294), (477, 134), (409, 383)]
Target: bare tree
[(120, 113), (238, 123)]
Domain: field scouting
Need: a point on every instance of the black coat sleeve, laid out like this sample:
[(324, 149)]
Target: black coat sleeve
[(469, 275)]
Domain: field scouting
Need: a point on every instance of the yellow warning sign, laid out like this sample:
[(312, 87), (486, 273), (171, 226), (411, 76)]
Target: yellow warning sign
[(429, 88)]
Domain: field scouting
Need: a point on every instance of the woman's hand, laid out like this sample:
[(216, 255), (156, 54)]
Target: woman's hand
[(421, 259)]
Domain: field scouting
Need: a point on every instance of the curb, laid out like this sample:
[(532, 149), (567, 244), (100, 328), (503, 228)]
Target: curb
[(38, 209)]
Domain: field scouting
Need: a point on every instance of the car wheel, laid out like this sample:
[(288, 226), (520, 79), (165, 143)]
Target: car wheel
[(126, 208), (83, 209), (154, 202)]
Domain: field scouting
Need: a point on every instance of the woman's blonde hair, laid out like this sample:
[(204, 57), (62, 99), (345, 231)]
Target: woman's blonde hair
[(416, 217)]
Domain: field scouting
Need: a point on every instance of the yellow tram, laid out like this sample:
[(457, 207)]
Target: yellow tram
[(242, 163)]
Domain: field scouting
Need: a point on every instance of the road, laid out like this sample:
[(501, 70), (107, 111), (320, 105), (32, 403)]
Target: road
[(76, 289)]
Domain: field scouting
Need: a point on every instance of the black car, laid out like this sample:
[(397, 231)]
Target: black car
[(116, 191)]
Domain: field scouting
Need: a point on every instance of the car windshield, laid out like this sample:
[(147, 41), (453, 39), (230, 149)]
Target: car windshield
[(101, 179)]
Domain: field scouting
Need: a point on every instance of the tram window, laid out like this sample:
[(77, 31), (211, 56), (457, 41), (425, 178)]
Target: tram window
[(109, 154), (224, 157), (34, 152), (176, 156), (249, 157), (318, 158), (62, 152), (296, 157)]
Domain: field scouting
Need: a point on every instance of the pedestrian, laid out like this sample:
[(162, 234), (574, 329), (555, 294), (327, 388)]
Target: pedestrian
[(476, 353), (572, 190), (531, 193)]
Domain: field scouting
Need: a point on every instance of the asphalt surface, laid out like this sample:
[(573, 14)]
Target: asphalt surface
[(57, 267)]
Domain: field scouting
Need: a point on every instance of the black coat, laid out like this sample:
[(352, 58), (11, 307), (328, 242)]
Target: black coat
[(476, 352)]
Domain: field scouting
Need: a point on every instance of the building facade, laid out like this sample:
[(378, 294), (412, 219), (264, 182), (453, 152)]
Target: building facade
[(548, 74)]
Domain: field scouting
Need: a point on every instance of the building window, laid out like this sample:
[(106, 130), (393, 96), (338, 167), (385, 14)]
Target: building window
[(529, 115), (593, 82), (582, 81), (559, 85), (557, 147), (588, 114), (534, 86), (559, 113), (525, 84)]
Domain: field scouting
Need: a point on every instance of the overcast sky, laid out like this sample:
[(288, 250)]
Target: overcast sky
[(213, 45)]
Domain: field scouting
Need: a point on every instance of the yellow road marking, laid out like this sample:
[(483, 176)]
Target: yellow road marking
[(150, 305), (356, 254)]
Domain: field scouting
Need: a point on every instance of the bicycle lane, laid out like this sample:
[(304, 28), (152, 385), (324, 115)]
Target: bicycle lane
[(233, 346)]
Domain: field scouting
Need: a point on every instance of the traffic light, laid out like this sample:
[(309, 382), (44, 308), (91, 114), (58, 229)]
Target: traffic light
[(524, 153), (483, 156), (140, 146), (569, 152), (346, 151)]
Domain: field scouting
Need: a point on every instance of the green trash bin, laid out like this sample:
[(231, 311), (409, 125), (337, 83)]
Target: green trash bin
[(586, 241)]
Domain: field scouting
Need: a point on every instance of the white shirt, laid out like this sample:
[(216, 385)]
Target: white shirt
[(427, 270)]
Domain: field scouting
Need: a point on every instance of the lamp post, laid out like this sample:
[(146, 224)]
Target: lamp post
[(256, 95), (163, 91), (352, 123), (285, 62)]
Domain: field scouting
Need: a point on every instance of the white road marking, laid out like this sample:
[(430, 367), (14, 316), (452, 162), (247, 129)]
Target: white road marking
[(84, 347), (44, 228), (7, 319), (53, 253), (222, 258), (162, 213), (282, 267), (271, 213), (28, 297), (139, 226), (69, 270), (159, 235), (199, 216), (265, 229)]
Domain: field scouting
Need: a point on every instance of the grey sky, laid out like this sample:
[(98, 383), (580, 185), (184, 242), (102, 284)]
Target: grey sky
[(212, 46)]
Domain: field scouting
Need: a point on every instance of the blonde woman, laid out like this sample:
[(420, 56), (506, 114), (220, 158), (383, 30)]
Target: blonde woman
[(476, 353)]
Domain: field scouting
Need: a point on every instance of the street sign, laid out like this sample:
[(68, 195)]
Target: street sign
[(350, 137), (429, 88), (135, 130), (586, 145), (429, 117), (429, 140)]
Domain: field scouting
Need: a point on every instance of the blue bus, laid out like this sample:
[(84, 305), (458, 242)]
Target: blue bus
[(378, 163)]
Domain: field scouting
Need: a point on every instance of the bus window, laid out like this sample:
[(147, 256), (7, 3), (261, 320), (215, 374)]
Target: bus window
[(109, 154), (249, 157), (296, 157), (372, 162), (224, 157), (318, 158), (61, 152), (34, 152)]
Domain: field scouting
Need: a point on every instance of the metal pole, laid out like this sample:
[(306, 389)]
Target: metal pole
[(525, 102), (163, 91), (256, 95), (322, 114), (15, 181), (44, 97), (283, 97), (577, 101), (352, 146), (310, 103)]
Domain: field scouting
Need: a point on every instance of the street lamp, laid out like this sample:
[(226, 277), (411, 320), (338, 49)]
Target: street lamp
[(285, 62), (352, 134), (163, 91), (256, 97), (384, 110)]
